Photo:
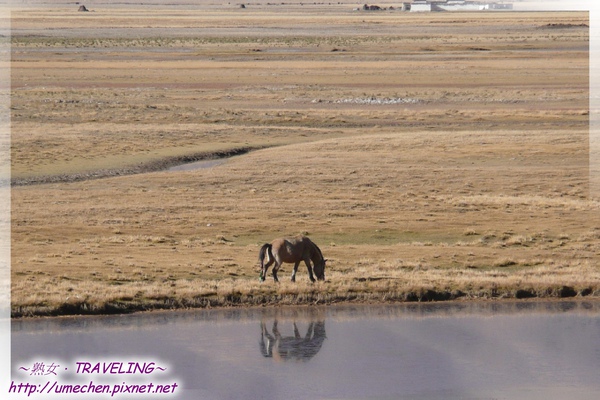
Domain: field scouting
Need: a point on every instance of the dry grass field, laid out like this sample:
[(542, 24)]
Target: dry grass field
[(431, 156)]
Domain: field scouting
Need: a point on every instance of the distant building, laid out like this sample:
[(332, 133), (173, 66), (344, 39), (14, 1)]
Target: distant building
[(501, 6), (453, 5), (420, 6)]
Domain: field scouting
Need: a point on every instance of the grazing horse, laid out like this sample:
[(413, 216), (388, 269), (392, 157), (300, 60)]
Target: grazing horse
[(292, 250)]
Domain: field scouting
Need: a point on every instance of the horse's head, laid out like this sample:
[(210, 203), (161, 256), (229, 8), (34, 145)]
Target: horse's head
[(319, 269)]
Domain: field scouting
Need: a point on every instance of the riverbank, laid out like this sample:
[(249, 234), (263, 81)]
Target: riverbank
[(312, 296)]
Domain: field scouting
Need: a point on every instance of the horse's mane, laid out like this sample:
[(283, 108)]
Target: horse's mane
[(318, 249)]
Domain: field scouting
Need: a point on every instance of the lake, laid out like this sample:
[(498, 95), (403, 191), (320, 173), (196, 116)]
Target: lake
[(455, 350)]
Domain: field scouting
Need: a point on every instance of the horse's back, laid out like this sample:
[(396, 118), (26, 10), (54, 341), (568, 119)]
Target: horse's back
[(290, 249)]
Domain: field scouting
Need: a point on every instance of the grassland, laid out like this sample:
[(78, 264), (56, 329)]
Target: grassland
[(432, 156)]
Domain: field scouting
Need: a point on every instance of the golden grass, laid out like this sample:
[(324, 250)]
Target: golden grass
[(476, 189)]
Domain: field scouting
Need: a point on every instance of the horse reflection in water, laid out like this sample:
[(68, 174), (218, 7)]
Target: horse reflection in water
[(274, 345)]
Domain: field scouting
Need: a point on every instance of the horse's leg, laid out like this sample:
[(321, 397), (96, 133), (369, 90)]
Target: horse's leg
[(266, 348), (275, 330), (310, 332), (310, 271), (265, 269), (275, 269), (295, 270)]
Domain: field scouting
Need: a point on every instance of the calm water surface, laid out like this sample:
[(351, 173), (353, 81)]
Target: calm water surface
[(420, 351)]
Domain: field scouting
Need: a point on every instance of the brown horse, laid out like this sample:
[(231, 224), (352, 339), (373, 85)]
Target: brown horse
[(292, 250)]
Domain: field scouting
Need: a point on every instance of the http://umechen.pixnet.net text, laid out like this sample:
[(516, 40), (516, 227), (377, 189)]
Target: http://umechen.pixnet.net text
[(110, 378)]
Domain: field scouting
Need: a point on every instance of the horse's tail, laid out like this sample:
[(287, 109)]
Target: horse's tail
[(264, 252)]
